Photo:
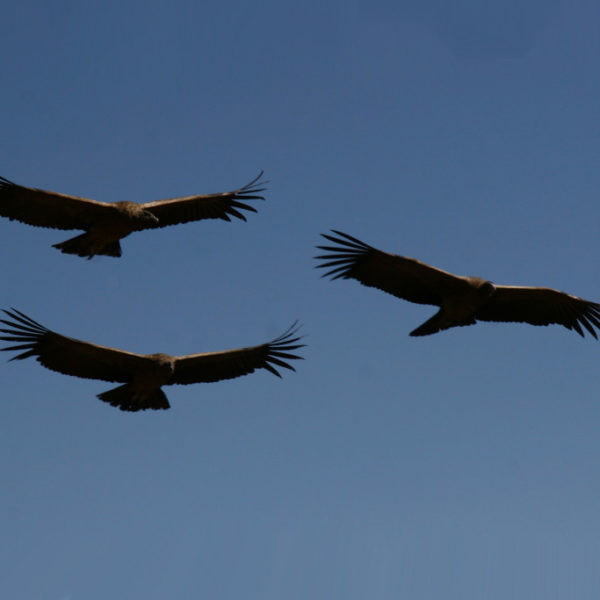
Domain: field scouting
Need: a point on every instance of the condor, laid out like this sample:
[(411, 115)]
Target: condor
[(143, 375), (462, 300), (105, 223)]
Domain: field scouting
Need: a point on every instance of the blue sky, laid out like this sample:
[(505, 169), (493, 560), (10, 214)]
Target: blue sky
[(461, 465)]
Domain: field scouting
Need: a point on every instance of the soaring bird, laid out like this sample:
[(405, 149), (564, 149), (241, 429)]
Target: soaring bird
[(105, 223), (142, 374), (462, 300)]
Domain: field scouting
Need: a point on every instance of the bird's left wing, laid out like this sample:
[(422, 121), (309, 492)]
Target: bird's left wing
[(209, 206), (403, 277), (67, 355), (43, 208), (541, 306), (215, 366)]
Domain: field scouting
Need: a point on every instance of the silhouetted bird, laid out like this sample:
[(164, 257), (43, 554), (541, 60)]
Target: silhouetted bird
[(105, 223), (142, 374), (462, 300)]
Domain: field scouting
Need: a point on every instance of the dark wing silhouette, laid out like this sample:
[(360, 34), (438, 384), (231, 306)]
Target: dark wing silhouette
[(541, 306), (67, 355), (210, 206), (215, 366), (402, 277), (49, 209)]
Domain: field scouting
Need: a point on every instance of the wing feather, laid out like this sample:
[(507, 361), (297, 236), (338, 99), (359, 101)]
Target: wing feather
[(67, 355), (210, 206), (42, 208), (229, 364), (541, 306), (403, 277)]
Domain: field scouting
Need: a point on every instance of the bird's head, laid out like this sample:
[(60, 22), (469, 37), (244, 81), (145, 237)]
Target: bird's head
[(487, 289), (165, 364), (149, 219)]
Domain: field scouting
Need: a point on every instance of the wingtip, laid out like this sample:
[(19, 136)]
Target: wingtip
[(255, 180), (6, 182)]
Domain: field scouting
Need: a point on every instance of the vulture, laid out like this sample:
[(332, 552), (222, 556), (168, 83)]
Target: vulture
[(105, 223), (142, 375), (462, 300)]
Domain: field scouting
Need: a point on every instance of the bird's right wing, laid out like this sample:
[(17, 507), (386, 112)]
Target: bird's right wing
[(405, 278), (67, 355), (541, 306), (42, 208), (229, 364), (224, 205)]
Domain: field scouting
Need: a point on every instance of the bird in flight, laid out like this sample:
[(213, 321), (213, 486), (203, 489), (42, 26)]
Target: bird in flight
[(105, 223), (142, 375), (462, 300)]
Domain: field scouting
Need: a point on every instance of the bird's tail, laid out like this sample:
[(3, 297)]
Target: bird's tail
[(82, 245), (439, 322), (126, 398)]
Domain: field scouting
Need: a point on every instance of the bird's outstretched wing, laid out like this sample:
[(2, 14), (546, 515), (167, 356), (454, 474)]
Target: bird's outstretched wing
[(42, 208), (215, 366), (541, 306), (405, 278), (67, 355), (209, 206)]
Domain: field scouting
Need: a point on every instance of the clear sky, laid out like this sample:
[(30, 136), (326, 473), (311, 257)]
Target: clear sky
[(464, 465)]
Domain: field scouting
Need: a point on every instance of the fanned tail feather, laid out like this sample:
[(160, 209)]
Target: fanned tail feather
[(438, 323), (127, 399), (81, 245)]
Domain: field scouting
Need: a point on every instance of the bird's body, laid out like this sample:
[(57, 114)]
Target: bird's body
[(462, 300), (106, 223), (459, 308), (144, 388), (103, 235), (142, 375)]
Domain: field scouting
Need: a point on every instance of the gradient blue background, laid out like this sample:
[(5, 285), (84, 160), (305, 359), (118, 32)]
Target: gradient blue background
[(465, 465)]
